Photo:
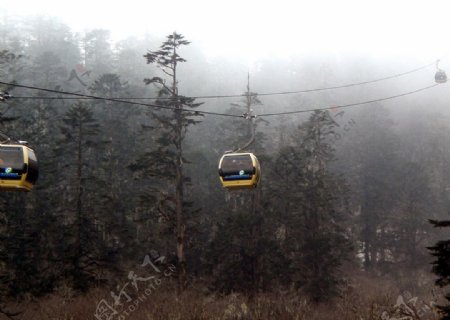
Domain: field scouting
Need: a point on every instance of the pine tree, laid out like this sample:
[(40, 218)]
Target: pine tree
[(97, 51), (167, 161), (441, 266), (314, 208), (116, 120), (370, 157), (408, 230), (85, 251)]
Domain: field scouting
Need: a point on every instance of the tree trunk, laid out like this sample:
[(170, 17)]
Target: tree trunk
[(179, 197), (79, 218), (179, 210)]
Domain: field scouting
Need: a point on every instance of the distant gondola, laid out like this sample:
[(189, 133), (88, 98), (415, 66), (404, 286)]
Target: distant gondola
[(440, 76), (18, 168), (239, 171)]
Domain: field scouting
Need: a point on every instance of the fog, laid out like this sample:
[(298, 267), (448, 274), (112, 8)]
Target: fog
[(131, 218), (252, 30)]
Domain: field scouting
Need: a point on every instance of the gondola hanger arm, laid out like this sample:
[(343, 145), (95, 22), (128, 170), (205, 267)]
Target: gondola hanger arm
[(252, 138), (5, 138)]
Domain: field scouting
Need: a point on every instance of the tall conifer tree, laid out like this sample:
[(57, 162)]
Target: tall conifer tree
[(441, 266), (167, 161)]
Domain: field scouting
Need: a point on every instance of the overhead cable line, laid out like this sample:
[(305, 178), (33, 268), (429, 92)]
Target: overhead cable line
[(349, 85), (350, 104), (332, 87), (225, 114), (196, 112)]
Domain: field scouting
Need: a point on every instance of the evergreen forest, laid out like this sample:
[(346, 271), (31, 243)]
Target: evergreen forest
[(128, 218)]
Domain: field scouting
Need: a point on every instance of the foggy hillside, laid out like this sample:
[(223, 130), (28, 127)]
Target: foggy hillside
[(128, 218)]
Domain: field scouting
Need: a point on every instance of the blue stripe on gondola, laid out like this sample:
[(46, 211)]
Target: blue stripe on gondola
[(10, 176), (237, 177)]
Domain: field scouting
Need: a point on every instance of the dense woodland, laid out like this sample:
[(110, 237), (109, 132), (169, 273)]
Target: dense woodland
[(342, 208)]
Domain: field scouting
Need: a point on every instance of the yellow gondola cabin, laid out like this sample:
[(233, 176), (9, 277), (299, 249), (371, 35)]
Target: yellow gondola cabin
[(18, 168), (239, 171)]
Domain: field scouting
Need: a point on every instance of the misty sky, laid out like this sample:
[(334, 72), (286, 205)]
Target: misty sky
[(255, 29)]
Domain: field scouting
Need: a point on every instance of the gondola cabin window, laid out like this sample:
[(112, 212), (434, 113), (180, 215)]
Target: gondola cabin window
[(238, 167), (239, 171), (11, 163)]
